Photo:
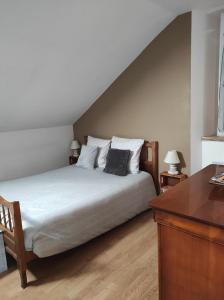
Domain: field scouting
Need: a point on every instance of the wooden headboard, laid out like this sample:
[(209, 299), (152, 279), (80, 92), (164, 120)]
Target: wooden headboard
[(150, 166)]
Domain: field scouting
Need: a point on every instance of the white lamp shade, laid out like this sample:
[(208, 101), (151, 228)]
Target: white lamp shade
[(172, 157), (75, 145)]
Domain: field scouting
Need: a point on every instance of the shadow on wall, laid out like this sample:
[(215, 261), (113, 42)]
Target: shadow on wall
[(182, 160)]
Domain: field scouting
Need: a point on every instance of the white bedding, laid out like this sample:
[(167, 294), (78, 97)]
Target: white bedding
[(66, 207)]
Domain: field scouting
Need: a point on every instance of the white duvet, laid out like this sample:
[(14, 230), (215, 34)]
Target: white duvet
[(66, 207)]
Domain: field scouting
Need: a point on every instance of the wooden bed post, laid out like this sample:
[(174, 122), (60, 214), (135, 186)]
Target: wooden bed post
[(19, 244), (155, 165), (11, 225)]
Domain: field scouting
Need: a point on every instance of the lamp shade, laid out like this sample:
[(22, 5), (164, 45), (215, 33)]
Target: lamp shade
[(172, 157), (75, 145)]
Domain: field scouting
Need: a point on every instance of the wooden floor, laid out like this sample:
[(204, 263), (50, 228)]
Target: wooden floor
[(121, 264)]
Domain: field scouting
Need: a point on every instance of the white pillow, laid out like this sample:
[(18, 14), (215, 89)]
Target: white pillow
[(87, 157), (134, 145), (103, 146)]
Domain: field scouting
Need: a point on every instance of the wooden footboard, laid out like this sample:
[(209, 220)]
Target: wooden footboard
[(11, 225)]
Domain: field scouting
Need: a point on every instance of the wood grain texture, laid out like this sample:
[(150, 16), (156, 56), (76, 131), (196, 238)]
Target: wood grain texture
[(195, 198), (11, 225), (167, 180), (191, 267), (72, 160), (121, 264), (191, 239)]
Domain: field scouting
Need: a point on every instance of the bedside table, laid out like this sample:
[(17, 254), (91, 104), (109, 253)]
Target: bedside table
[(167, 180), (73, 159)]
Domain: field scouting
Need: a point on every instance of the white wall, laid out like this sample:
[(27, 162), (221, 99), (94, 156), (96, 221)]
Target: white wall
[(64, 54), (28, 152), (204, 80), (212, 153)]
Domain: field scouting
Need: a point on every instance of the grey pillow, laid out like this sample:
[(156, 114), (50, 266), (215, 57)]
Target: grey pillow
[(117, 162), (87, 157)]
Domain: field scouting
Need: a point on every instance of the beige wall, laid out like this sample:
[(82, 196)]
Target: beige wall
[(151, 99)]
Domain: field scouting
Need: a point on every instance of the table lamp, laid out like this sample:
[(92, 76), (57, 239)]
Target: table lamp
[(75, 146), (172, 160)]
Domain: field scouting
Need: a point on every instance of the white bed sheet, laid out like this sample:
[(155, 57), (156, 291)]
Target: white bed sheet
[(64, 208)]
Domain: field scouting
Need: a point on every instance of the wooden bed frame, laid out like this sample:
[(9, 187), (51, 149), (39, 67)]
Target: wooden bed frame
[(11, 222)]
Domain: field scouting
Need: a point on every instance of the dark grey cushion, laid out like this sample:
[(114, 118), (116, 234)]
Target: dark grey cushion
[(117, 162)]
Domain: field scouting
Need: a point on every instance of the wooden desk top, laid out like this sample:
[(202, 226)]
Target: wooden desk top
[(195, 198)]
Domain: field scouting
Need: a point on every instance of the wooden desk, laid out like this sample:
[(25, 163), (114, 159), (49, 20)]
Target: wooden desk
[(190, 219)]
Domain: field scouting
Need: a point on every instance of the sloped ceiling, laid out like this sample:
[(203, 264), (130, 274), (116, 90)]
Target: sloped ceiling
[(58, 56)]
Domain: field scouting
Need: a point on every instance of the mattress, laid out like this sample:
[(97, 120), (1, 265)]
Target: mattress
[(67, 207)]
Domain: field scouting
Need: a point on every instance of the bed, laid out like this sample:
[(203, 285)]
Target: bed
[(61, 209)]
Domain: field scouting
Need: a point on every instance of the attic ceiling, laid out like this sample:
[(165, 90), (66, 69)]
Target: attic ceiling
[(58, 56)]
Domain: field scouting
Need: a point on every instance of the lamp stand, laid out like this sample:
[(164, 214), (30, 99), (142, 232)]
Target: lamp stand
[(75, 153), (173, 169)]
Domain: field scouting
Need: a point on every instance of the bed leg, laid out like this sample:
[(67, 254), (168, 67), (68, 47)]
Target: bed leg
[(23, 276), (20, 246)]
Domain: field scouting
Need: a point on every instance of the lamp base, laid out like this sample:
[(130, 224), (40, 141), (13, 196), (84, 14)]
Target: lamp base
[(75, 153), (173, 170)]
